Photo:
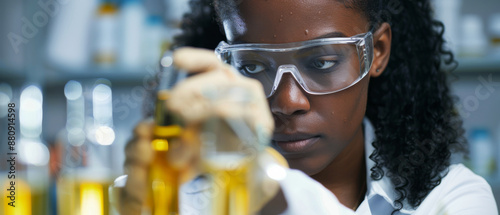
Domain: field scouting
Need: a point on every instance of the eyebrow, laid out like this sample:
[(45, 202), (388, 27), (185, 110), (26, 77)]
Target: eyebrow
[(331, 34)]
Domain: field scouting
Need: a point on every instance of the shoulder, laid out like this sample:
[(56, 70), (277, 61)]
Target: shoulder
[(458, 175), (460, 192), (461, 179)]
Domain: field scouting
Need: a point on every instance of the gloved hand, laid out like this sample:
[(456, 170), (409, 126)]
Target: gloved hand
[(195, 100), (198, 98)]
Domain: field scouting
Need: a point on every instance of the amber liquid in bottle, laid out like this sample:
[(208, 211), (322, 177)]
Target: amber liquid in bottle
[(164, 177)]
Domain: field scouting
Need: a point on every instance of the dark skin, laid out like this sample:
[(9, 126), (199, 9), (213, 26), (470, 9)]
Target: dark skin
[(336, 159)]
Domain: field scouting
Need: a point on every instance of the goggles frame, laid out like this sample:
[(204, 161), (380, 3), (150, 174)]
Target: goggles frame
[(363, 43)]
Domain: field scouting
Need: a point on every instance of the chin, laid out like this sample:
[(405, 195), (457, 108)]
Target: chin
[(306, 165)]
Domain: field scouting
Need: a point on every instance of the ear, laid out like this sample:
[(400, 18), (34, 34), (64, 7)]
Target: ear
[(381, 49)]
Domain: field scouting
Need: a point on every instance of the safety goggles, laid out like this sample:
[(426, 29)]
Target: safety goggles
[(320, 66)]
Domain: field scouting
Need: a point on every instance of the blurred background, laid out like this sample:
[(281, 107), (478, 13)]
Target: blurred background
[(78, 76)]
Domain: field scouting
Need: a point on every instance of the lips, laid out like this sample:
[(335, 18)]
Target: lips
[(294, 143)]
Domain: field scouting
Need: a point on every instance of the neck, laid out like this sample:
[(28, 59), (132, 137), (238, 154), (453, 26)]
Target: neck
[(345, 176)]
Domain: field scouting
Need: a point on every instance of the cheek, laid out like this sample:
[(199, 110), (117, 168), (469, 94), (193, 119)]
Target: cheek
[(343, 112), (341, 117)]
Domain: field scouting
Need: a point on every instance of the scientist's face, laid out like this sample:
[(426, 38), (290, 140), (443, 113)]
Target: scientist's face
[(311, 130)]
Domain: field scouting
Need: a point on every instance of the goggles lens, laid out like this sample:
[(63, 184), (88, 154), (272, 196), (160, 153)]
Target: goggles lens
[(320, 66)]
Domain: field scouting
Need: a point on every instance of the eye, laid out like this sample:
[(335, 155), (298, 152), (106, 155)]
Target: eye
[(252, 68), (323, 63)]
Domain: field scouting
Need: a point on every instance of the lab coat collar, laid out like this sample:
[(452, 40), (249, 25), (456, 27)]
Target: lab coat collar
[(384, 186)]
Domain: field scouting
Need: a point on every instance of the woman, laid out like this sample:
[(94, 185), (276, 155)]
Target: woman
[(381, 138)]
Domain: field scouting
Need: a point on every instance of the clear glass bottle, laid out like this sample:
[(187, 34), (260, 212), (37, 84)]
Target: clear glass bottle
[(106, 35), (132, 22), (86, 172), (230, 148), (27, 182)]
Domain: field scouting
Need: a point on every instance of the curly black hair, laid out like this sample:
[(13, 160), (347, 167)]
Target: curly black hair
[(410, 105), (200, 27), (416, 125)]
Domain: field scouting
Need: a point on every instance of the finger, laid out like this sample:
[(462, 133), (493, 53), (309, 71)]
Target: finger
[(189, 99), (144, 130), (134, 192), (138, 151), (195, 60), (138, 154)]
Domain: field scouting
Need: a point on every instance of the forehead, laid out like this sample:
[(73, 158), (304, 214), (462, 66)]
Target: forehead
[(282, 21)]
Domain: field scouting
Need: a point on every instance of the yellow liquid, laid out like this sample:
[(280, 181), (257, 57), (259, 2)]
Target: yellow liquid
[(28, 200), (40, 201), (80, 197), (230, 183), (22, 198), (163, 190), (163, 181)]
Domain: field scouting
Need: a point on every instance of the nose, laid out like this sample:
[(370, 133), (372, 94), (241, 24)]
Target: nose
[(289, 99)]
